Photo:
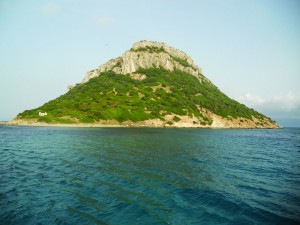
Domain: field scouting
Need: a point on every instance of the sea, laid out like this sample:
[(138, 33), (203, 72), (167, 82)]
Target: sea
[(55, 175)]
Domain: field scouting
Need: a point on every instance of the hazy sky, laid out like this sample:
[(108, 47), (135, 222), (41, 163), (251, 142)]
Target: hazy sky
[(249, 49)]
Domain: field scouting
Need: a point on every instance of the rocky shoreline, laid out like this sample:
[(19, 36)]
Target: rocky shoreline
[(143, 124)]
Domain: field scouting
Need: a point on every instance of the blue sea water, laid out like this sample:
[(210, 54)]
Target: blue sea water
[(149, 176)]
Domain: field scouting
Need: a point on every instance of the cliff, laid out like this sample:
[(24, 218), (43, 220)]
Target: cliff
[(149, 54)]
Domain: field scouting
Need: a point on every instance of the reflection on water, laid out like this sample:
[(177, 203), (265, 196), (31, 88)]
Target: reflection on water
[(149, 176)]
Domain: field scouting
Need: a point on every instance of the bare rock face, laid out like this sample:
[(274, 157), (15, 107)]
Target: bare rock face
[(149, 54)]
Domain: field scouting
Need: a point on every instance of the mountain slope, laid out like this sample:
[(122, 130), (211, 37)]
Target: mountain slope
[(152, 85)]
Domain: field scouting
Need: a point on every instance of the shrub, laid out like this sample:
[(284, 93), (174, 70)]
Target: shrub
[(176, 118), (87, 120), (45, 119)]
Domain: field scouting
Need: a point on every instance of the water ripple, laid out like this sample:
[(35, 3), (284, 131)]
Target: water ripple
[(149, 176)]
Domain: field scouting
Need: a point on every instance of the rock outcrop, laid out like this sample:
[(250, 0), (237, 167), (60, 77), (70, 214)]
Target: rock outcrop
[(149, 54)]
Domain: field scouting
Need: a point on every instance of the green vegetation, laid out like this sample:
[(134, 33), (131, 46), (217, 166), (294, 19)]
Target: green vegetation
[(150, 49), (181, 61), (118, 64), (114, 96), (176, 118)]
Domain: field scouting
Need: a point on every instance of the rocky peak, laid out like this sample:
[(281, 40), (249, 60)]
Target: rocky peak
[(159, 46), (149, 54)]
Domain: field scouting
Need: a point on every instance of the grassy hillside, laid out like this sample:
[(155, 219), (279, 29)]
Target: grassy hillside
[(119, 97)]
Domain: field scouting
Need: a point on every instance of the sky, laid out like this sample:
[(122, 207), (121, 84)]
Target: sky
[(250, 49)]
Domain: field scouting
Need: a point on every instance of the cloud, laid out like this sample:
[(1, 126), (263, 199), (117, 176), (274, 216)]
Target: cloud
[(251, 99), (286, 105), (105, 21), (51, 8), (285, 102)]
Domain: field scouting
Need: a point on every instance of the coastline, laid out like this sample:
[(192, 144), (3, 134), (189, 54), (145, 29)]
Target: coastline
[(75, 125), (130, 125)]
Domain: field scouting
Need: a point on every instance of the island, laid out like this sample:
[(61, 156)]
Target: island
[(150, 85)]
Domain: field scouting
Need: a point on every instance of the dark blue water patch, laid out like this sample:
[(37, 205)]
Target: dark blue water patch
[(149, 176)]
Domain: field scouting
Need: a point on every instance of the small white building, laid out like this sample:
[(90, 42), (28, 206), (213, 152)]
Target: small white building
[(42, 114)]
